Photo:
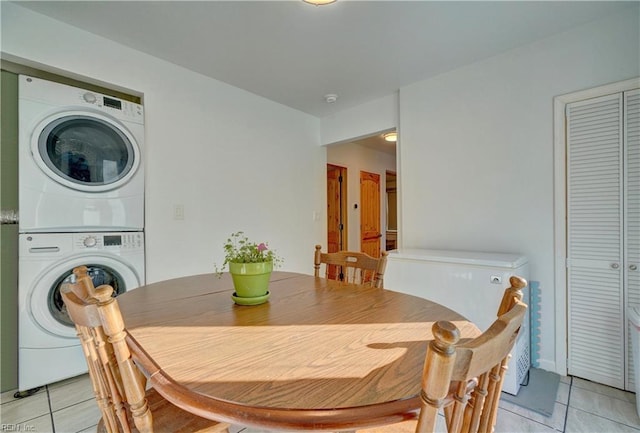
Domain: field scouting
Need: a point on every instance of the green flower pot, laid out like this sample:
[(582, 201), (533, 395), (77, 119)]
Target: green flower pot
[(251, 280)]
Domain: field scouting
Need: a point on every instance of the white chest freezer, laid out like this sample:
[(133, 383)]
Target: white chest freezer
[(470, 283)]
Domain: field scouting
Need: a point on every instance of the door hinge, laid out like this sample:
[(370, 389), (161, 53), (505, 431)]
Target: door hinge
[(340, 178), (341, 226)]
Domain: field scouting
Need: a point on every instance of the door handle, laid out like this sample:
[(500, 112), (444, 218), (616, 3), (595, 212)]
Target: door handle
[(633, 267), (614, 266), (44, 249)]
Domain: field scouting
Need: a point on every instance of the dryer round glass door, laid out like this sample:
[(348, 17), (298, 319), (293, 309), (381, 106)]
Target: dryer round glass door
[(85, 151), (45, 302)]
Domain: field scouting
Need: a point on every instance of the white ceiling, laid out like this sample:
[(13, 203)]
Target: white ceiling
[(295, 53)]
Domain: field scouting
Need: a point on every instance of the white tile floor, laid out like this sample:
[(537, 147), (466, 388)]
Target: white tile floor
[(581, 406)]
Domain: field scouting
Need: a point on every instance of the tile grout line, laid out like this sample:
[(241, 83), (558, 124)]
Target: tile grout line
[(566, 411), (53, 425)]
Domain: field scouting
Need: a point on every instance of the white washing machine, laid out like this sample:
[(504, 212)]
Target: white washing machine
[(49, 349), (80, 160)]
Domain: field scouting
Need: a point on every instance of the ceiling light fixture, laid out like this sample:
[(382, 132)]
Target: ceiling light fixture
[(391, 136), (319, 2)]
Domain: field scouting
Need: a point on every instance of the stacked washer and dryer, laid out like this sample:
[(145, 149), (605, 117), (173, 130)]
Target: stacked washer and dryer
[(81, 202)]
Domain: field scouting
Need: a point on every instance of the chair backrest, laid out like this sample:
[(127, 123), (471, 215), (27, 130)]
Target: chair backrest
[(466, 379), (352, 267), (118, 384)]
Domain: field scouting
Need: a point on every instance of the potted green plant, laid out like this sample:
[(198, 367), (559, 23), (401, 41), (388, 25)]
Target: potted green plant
[(250, 265)]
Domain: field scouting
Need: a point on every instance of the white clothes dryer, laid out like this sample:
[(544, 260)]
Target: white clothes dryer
[(80, 160), (49, 349)]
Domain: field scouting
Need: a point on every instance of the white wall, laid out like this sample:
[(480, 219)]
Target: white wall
[(356, 158), (476, 150), (232, 159)]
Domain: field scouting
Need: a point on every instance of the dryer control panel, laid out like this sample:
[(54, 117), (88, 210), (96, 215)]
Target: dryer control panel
[(63, 95), (114, 106)]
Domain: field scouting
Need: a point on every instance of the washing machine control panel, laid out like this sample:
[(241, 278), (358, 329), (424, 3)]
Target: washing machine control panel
[(109, 241)]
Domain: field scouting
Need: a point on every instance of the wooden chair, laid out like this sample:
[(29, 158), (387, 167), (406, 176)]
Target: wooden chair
[(465, 380), (352, 267), (118, 383)]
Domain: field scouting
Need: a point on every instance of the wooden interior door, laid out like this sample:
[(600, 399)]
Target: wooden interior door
[(370, 233), (336, 212), (336, 207)]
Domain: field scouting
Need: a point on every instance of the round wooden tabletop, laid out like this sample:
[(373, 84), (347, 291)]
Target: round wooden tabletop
[(319, 355)]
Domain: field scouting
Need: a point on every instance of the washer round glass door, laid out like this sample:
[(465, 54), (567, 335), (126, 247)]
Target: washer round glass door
[(46, 303), (99, 275), (85, 151)]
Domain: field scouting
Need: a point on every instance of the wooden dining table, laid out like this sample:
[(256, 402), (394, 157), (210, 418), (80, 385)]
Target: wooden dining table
[(320, 355)]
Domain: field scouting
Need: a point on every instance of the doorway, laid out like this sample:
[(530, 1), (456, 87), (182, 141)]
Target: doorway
[(371, 154)]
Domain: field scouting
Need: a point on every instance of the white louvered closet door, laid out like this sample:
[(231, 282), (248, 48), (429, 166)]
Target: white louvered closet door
[(603, 235), (596, 342), (631, 211)]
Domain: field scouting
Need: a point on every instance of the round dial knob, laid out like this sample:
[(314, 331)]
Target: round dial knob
[(89, 97), (90, 241)]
